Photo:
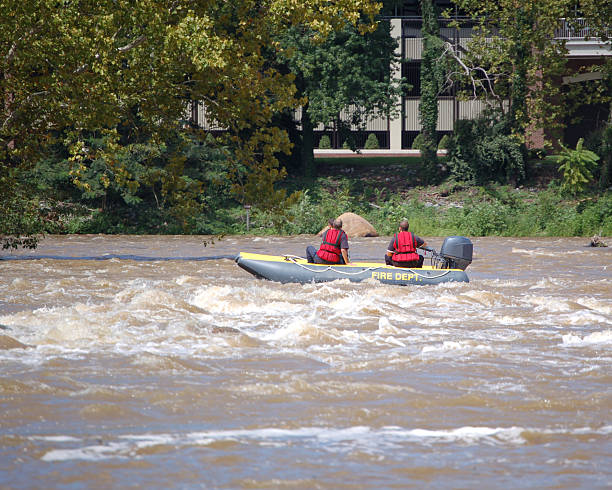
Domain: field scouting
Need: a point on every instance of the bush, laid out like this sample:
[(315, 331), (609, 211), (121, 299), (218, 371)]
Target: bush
[(324, 142), (444, 142), (20, 219), (481, 152), (372, 142), (605, 178), (308, 214), (600, 143), (484, 218), (418, 142)]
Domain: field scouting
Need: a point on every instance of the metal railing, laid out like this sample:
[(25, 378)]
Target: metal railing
[(578, 28)]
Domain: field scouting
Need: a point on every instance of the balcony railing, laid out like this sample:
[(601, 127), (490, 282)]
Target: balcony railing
[(572, 29), (569, 29)]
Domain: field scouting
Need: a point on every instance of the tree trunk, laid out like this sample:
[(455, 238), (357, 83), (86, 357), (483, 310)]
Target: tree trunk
[(429, 90), (517, 114), (309, 168), (605, 178)]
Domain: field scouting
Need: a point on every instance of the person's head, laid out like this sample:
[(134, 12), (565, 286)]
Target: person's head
[(404, 225), (330, 222), (338, 224)]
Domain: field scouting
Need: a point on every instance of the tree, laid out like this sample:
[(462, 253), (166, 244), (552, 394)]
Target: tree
[(350, 71), (512, 57), (594, 92), (431, 77), (68, 69)]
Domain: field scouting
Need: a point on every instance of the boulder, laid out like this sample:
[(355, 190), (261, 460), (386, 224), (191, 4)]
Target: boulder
[(355, 226), (7, 343)]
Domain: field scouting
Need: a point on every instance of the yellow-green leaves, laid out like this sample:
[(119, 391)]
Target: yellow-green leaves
[(129, 69)]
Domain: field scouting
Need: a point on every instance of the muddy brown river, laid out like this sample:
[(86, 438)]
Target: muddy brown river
[(133, 361)]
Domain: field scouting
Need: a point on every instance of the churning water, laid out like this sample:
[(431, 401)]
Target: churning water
[(156, 368)]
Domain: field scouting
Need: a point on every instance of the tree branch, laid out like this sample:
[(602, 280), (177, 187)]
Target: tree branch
[(485, 82), (135, 43)]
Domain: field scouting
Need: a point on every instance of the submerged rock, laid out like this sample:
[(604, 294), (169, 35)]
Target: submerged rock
[(596, 241)]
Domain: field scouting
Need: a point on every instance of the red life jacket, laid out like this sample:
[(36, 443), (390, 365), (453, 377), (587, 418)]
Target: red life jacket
[(330, 248), (405, 247)]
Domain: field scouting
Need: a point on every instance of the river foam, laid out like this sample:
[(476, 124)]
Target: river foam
[(332, 440)]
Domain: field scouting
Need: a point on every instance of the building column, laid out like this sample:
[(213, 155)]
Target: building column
[(395, 124)]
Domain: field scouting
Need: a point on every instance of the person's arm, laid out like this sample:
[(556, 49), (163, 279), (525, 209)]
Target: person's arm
[(391, 248), (419, 239), (345, 255), (344, 246)]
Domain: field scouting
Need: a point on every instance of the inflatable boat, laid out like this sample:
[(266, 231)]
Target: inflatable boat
[(448, 265)]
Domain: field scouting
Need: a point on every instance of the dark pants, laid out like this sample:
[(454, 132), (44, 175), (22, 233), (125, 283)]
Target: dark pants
[(413, 263), (313, 258)]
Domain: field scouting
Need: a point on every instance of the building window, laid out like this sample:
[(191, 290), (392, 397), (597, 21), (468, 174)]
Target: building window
[(411, 71)]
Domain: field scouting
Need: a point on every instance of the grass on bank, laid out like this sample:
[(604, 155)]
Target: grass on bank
[(385, 190)]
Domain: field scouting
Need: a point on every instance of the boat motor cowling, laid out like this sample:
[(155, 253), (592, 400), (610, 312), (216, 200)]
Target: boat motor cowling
[(457, 252)]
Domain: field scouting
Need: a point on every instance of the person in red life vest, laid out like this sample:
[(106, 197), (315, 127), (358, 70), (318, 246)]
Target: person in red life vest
[(334, 246), (401, 252)]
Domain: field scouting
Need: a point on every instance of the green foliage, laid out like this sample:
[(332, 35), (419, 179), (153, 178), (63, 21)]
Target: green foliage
[(475, 211), (480, 152), (89, 65), (309, 214), (576, 167), (128, 71), (491, 211), (600, 143), (605, 178), (419, 142), (431, 80), (20, 220), (481, 219), (372, 142), (350, 68), (515, 56), (349, 73), (178, 187), (424, 220), (444, 142), (325, 142)]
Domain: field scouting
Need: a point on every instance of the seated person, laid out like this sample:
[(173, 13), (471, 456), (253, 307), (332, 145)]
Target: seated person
[(401, 252), (334, 247)]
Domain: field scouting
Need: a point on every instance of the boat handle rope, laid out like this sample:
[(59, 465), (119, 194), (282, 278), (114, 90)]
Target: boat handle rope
[(291, 258)]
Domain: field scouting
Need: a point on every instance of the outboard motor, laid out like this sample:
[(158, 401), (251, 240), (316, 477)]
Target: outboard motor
[(456, 253)]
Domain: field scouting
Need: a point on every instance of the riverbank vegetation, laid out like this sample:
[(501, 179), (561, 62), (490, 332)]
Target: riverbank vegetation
[(382, 190)]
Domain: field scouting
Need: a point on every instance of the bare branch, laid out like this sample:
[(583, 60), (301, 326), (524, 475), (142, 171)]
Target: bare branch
[(81, 68), (13, 49), (135, 43), (478, 76)]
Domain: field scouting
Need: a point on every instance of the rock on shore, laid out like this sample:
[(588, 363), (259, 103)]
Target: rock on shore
[(355, 226)]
